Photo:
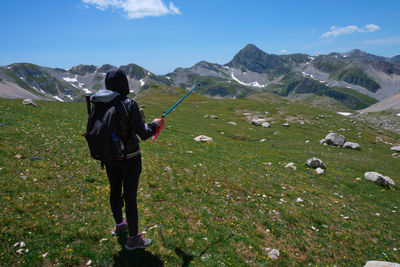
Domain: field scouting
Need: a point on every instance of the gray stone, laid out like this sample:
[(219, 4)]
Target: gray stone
[(335, 139), (320, 171), (203, 138), (273, 254), (352, 145), (322, 141), (29, 102), (291, 165), (255, 122), (265, 124), (315, 163), (286, 124), (381, 264), (378, 178), (395, 148)]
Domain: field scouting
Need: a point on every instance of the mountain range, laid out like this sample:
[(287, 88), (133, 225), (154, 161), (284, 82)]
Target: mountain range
[(356, 79)]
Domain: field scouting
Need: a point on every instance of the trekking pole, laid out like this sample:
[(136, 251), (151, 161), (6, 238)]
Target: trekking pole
[(159, 128), (177, 103)]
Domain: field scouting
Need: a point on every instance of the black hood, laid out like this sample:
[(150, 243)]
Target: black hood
[(116, 81)]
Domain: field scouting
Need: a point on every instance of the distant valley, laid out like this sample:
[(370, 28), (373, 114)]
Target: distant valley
[(356, 79)]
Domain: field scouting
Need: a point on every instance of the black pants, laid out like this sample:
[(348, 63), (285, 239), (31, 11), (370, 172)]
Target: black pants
[(125, 174)]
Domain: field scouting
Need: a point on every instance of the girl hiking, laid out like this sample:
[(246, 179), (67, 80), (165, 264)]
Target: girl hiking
[(123, 172)]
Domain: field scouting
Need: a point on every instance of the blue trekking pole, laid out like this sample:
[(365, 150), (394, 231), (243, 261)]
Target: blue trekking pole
[(166, 113), (177, 103)]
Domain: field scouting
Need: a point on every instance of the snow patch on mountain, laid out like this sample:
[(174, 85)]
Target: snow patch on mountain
[(71, 80), (252, 84), (345, 113), (87, 91), (141, 82), (59, 99)]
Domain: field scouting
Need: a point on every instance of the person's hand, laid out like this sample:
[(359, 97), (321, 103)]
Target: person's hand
[(159, 121)]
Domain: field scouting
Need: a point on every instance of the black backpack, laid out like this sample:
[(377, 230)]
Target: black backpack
[(101, 131)]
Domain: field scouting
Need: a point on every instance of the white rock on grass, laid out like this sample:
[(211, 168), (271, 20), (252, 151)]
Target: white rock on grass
[(232, 123), (320, 171), (299, 200), (273, 254), (291, 165), (315, 163), (29, 102), (255, 122), (395, 148), (203, 138), (265, 124), (381, 264), (335, 139), (286, 124), (352, 145), (378, 178)]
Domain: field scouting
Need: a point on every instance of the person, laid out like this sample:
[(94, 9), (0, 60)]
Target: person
[(124, 172)]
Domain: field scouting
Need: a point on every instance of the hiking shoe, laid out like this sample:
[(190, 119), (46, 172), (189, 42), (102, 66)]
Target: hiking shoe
[(138, 241), (120, 228)]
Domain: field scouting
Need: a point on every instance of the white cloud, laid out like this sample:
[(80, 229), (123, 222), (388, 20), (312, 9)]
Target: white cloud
[(372, 27), (136, 9), (385, 41), (336, 31), (283, 51)]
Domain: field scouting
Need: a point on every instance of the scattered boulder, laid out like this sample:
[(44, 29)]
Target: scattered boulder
[(255, 122), (213, 117), (395, 148), (320, 170), (203, 138), (273, 254), (265, 124), (29, 102), (352, 145), (335, 139), (322, 141), (291, 165), (286, 124), (315, 163), (232, 123), (381, 264), (378, 178)]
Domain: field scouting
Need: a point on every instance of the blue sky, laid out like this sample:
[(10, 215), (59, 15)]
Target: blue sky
[(162, 35)]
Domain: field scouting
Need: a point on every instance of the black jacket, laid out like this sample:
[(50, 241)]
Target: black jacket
[(130, 123)]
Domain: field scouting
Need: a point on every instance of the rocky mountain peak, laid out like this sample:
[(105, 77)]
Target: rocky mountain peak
[(254, 59), (83, 69)]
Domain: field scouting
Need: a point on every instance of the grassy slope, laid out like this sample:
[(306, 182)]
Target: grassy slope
[(215, 204)]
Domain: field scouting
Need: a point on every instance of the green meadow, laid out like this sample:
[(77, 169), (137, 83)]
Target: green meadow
[(222, 203)]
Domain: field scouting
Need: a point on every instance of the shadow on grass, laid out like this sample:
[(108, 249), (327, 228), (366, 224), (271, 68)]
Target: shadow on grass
[(187, 258), (137, 257)]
